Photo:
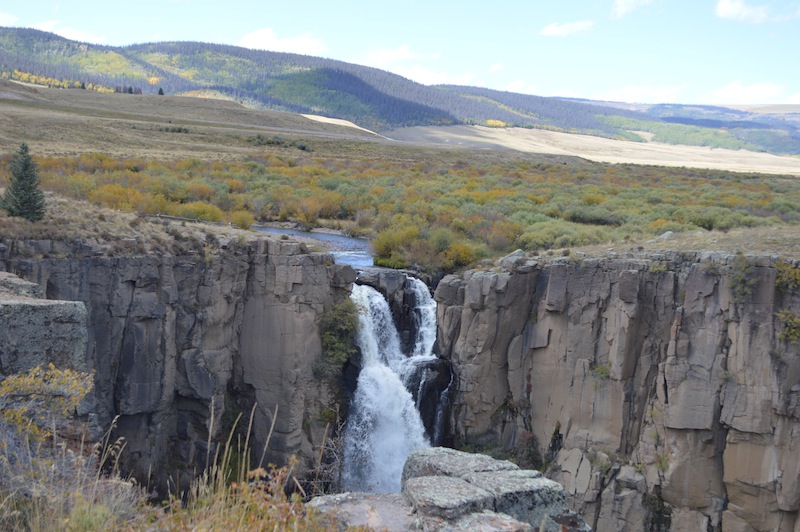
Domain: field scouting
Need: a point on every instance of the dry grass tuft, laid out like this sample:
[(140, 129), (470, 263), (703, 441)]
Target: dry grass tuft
[(783, 240), (61, 485), (74, 224)]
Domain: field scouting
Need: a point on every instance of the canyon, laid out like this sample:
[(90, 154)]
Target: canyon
[(181, 344), (660, 389)]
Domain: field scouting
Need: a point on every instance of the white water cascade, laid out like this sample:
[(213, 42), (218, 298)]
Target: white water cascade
[(384, 425)]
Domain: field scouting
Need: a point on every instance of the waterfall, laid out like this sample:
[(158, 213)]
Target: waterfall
[(384, 424), (425, 318)]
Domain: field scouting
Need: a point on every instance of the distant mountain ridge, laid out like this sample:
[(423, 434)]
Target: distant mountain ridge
[(367, 96)]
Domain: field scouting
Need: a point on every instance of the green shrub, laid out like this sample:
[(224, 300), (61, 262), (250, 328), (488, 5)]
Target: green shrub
[(657, 266), (338, 334), (791, 326), (602, 371), (390, 262), (591, 216), (787, 277), (742, 278), (662, 462)]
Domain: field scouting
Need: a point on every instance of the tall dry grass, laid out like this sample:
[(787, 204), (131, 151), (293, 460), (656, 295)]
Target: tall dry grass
[(55, 484)]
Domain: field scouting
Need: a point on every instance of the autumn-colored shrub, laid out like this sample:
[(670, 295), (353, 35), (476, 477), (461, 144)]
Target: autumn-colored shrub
[(235, 185), (242, 219), (390, 242), (199, 191), (116, 196), (199, 210), (460, 254)]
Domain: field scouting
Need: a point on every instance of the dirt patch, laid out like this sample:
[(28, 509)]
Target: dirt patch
[(600, 149), (338, 122), (777, 240)]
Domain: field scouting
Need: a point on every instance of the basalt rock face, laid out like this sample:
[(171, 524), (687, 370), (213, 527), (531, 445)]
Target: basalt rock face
[(662, 391), (181, 343)]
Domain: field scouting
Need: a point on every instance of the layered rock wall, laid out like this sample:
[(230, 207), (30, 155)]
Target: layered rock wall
[(661, 391), (181, 343)]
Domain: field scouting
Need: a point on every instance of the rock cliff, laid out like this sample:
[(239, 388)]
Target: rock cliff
[(182, 342), (662, 391)]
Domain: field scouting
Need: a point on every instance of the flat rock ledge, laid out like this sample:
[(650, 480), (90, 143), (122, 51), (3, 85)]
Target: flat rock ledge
[(35, 331), (444, 490)]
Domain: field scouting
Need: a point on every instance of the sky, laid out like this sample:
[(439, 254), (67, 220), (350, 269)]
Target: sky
[(650, 51)]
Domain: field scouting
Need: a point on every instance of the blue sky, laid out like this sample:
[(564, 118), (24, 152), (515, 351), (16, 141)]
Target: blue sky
[(683, 51)]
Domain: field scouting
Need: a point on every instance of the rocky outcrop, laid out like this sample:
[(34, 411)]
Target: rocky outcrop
[(181, 343), (661, 391), (35, 331), (444, 489)]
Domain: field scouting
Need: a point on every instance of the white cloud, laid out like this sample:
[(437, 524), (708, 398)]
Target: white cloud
[(623, 7), (522, 87), (386, 58), (413, 65), (7, 19), (497, 67), (267, 39), (74, 34), (568, 93), (429, 76), (739, 10), (737, 93), (46, 25), (568, 28), (642, 94), (793, 99)]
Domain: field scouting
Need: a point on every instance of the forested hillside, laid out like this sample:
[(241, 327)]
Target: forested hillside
[(370, 97)]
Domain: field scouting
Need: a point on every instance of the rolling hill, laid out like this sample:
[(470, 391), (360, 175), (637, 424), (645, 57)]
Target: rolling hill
[(372, 98)]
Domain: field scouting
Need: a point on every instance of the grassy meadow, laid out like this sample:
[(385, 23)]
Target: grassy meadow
[(436, 214)]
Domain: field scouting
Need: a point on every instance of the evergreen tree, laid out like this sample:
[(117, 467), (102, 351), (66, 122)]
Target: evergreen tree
[(160, 91), (23, 197)]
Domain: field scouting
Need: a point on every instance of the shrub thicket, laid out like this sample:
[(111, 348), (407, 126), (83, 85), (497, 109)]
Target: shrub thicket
[(435, 215)]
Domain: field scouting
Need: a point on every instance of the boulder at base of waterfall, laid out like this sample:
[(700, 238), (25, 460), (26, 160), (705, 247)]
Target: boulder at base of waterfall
[(444, 489)]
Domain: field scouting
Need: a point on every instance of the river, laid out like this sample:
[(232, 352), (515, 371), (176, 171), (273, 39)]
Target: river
[(345, 249)]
